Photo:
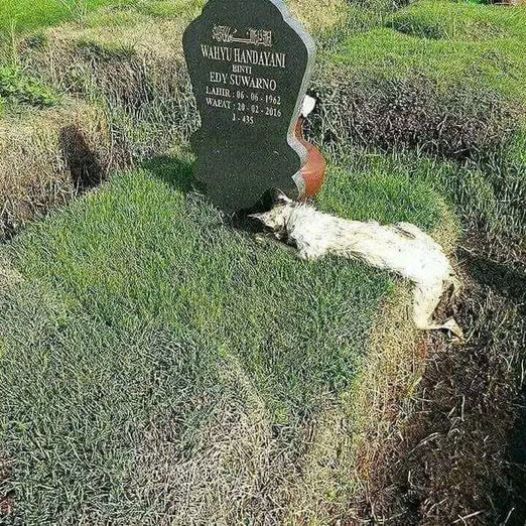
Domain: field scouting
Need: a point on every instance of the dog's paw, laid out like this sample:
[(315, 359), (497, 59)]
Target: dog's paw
[(454, 328), (309, 255)]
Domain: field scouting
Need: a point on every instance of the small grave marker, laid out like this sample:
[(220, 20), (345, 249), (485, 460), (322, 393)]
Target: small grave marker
[(250, 63)]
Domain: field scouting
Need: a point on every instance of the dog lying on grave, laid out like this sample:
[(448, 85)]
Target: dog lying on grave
[(402, 248)]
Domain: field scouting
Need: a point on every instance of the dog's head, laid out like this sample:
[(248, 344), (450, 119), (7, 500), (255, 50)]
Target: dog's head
[(276, 218)]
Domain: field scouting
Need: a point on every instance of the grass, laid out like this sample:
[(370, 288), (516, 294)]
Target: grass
[(17, 87), (452, 46), (24, 15), (159, 365), (441, 77), (463, 21), (147, 332), (322, 17), (385, 53)]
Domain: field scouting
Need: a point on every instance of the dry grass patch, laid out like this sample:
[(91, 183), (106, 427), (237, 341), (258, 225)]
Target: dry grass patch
[(383, 394), (136, 72), (46, 157), (321, 16)]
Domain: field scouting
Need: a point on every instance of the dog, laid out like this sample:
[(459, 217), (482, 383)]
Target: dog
[(402, 248)]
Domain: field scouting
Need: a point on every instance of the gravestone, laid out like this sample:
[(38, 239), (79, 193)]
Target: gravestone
[(250, 63)]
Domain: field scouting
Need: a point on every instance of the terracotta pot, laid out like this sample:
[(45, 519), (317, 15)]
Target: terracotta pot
[(313, 173)]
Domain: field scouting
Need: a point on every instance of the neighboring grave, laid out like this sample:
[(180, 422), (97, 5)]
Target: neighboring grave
[(250, 63)]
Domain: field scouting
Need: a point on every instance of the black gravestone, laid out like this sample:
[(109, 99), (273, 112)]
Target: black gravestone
[(250, 63)]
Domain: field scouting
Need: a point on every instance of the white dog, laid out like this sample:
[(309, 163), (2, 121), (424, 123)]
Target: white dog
[(402, 248)]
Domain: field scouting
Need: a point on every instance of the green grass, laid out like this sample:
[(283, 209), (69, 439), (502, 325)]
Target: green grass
[(23, 15), (172, 9), (458, 64), (435, 41), (26, 15), (16, 86), (142, 313), (440, 19)]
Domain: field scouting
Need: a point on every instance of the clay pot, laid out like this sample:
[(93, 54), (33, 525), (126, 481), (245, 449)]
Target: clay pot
[(313, 173)]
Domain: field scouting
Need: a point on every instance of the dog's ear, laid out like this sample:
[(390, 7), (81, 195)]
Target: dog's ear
[(309, 103), (281, 198), (264, 218)]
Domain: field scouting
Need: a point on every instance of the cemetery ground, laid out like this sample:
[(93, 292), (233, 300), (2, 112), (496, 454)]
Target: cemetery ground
[(160, 363)]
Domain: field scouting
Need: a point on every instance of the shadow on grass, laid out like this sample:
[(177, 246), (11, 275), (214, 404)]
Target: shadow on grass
[(508, 281), (82, 162), (511, 283), (174, 171), (177, 172)]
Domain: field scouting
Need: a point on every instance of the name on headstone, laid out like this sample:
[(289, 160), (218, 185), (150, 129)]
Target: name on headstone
[(250, 63)]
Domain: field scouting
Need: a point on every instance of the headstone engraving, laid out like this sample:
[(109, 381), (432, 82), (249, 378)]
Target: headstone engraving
[(250, 63)]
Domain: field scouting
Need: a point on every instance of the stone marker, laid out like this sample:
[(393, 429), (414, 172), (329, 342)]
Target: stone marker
[(250, 63)]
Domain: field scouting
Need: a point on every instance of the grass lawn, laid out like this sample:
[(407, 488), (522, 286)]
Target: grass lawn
[(22, 15), (450, 44), (445, 78), (25, 15), (158, 364)]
